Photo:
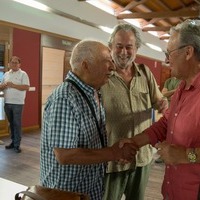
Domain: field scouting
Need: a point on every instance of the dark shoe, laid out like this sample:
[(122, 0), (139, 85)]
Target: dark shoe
[(17, 149), (10, 146)]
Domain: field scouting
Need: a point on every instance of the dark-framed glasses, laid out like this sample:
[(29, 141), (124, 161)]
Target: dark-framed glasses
[(14, 63), (167, 53)]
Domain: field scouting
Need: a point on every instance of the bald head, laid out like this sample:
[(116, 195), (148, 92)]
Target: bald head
[(91, 61), (85, 50)]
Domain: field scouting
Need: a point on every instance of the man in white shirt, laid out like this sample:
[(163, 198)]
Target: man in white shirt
[(15, 83)]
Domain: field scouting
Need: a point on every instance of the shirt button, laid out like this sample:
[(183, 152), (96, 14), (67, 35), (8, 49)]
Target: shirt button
[(171, 132), (175, 114), (168, 182), (167, 166)]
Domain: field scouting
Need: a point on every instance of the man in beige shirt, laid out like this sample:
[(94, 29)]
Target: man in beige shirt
[(128, 98)]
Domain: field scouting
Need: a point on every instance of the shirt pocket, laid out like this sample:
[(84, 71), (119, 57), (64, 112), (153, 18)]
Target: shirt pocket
[(141, 99)]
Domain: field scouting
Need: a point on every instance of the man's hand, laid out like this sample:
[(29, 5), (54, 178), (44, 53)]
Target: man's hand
[(10, 84), (3, 86), (171, 154), (125, 150), (162, 105)]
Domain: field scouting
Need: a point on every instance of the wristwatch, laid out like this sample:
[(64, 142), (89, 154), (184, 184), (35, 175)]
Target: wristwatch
[(192, 156)]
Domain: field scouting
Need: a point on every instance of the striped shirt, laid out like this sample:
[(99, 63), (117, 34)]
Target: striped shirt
[(68, 123)]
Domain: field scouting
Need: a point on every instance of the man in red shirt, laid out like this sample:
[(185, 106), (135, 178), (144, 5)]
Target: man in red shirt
[(177, 134)]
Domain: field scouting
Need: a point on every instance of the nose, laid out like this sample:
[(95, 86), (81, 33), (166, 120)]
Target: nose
[(124, 50)]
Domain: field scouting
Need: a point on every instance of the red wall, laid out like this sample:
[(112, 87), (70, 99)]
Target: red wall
[(26, 45), (155, 67)]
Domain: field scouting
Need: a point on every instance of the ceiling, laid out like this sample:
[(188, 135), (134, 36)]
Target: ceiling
[(156, 15)]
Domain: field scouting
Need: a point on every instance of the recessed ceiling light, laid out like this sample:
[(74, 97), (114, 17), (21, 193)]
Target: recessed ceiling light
[(34, 4)]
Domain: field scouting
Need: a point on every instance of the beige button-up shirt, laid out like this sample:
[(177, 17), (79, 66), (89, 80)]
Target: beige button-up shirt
[(129, 112)]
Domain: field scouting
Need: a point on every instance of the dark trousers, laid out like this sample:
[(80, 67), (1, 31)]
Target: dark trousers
[(14, 116)]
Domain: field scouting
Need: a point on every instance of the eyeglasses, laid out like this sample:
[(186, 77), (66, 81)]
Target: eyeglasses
[(14, 63), (167, 54)]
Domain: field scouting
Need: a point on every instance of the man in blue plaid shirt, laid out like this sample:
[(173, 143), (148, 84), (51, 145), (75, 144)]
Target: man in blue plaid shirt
[(74, 152)]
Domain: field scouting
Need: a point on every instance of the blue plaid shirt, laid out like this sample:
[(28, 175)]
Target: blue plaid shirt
[(69, 123)]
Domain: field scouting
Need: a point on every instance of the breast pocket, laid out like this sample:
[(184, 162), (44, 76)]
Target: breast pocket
[(141, 98)]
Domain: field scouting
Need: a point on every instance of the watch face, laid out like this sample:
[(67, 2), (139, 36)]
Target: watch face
[(192, 157)]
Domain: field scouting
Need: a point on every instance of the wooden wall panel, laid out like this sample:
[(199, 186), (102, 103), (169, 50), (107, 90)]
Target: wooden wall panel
[(52, 66), (52, 71), (46, 91)]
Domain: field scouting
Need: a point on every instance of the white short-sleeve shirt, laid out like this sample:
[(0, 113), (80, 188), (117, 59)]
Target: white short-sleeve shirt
[(12, 95)]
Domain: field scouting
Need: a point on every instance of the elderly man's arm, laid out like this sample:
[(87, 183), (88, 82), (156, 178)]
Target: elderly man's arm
[(84, 156)]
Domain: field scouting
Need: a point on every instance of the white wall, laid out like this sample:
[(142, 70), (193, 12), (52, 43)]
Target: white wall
[(16, 13)]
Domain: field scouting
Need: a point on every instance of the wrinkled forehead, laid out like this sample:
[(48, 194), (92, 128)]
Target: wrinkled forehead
[(124, 37)]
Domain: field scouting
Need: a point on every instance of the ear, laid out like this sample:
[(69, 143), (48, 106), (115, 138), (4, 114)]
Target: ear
[(189, 52), (84, 64)]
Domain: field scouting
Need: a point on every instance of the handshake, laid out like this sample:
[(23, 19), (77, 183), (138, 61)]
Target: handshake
[(124, 151)]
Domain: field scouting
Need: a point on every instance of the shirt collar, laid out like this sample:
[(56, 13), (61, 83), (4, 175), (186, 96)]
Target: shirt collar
[(86, 88), (11, 71), (196, 81), (134, 65), (194, 84)]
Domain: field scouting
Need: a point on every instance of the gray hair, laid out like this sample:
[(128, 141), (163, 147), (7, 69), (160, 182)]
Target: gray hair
[(126, 27), (85, 49), (189, 31)]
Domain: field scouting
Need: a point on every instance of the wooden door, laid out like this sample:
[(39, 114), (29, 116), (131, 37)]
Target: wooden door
[(52, 71)]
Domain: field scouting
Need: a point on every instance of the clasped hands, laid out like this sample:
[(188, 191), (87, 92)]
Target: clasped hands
[(125, 150), (9, 84), (6, 85)]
